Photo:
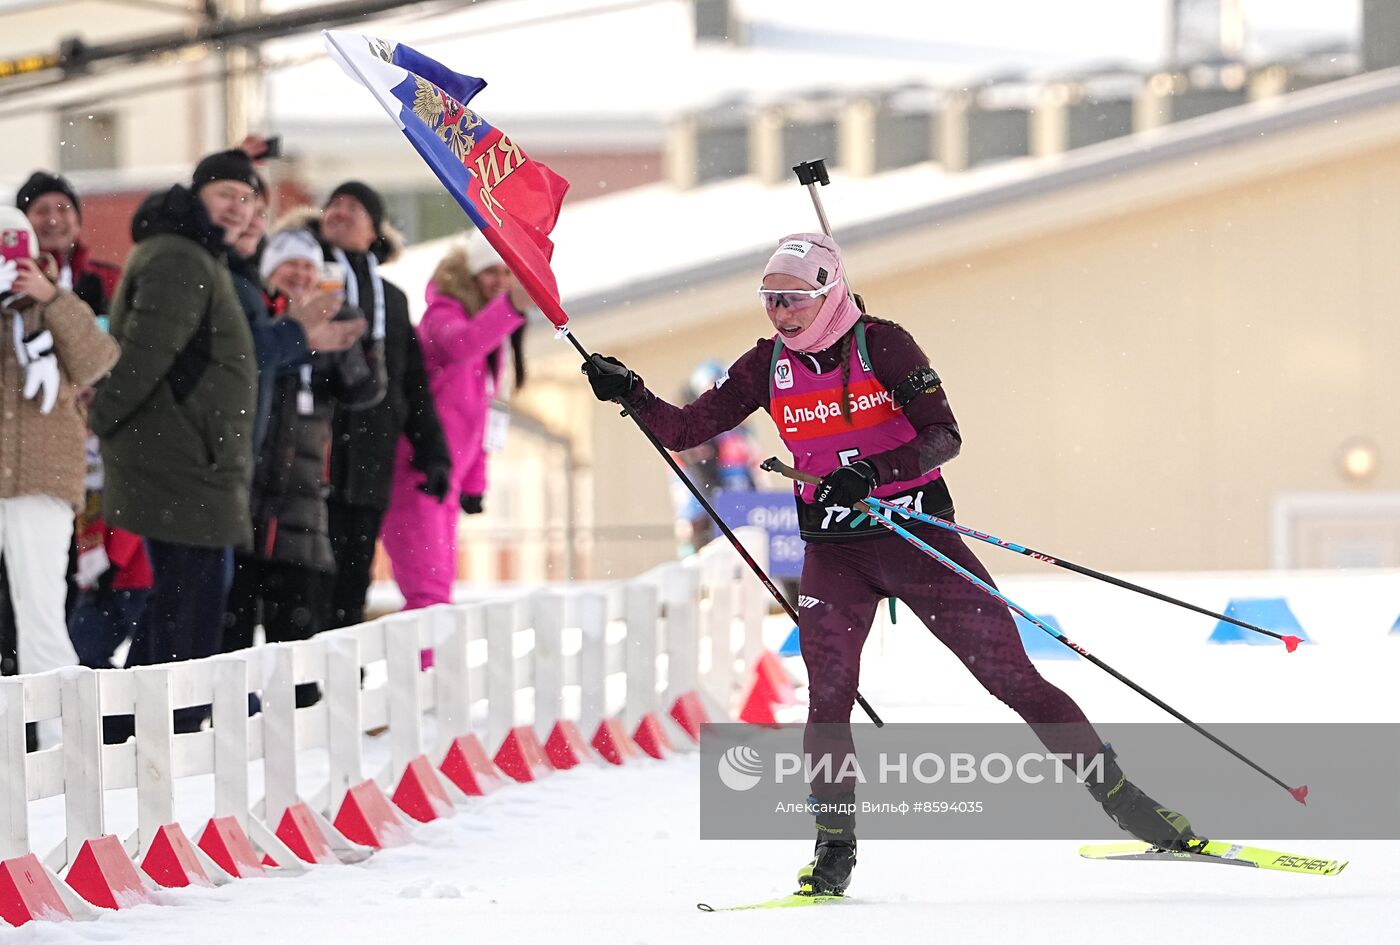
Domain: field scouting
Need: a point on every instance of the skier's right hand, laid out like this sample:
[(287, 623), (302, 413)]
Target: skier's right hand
[(610, 378)]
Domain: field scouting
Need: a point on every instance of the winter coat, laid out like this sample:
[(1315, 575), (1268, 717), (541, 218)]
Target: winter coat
[(290, 480), (176, 415), (364, 441), (463, 378), (42, 454), (94, 281), (278, 342)]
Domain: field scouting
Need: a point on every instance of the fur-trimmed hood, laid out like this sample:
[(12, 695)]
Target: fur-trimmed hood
[(453, 278), (386, 249)]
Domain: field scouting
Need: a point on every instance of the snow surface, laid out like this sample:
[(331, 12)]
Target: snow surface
[(613, 855)]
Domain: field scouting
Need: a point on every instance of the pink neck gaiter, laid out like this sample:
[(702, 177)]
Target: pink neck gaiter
[(838, 313)]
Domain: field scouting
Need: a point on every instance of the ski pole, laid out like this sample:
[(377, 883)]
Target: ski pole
[(1290, 641), (714, 516), (1299, 794)]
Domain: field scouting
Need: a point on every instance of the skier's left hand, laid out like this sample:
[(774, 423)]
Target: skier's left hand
[(847, 485)]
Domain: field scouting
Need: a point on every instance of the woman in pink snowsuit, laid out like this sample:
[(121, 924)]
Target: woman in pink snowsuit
[(474, 307)]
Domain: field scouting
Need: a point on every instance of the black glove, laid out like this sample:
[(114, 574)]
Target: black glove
[(847, 485), (437, 479), (471, 504), (610, 378)]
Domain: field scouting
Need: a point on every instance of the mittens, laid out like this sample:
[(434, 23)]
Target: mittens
[(36, 355)]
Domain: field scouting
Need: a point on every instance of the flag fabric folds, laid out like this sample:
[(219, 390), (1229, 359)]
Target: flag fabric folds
[(513, 199)]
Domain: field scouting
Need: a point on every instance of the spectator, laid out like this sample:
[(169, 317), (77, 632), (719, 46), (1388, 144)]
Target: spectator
[(51, 347), (249, 247), (474, 306), (54, 211), (353, 227), (176, 416), (112, 600), (725, 463), (286, 571), (280, 342), (56, 215)]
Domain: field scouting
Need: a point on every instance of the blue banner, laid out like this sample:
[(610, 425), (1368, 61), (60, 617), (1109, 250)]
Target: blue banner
[(775, 513)]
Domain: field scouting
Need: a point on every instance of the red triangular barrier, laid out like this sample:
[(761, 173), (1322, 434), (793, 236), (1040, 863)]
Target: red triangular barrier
[(758, 705), (521, 756), (171, 860), (612, 742), (420, 794), (367, 817), (27, 892), (651, 737), (303, 836), (565, 747), (771, 668), (690, 714), (467, 765), (227, 845), (104, 875)]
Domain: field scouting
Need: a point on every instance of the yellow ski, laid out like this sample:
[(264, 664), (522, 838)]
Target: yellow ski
[(1217, 851)]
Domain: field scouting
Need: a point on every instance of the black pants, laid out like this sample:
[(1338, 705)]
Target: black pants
[(353, 531), (184, 620), (285, 598)]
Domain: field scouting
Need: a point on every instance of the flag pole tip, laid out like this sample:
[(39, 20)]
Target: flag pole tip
[(1300, 794), (1292, 642)]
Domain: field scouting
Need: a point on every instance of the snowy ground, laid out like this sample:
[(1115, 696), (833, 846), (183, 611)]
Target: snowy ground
[(613, 855)]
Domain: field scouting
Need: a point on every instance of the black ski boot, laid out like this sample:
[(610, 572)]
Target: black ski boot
[(829, 873), (1139, 814)]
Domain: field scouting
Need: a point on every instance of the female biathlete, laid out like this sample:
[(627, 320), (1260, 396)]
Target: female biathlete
[(856, 402)]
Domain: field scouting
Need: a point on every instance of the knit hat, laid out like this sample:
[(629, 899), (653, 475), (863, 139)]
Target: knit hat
[(816, 260), (367, 197), (289, 244), (812, 257), (42, 182), (13, 224), (481, 255), (225, 165)]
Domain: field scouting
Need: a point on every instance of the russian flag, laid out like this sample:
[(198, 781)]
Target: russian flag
[(513, 199)]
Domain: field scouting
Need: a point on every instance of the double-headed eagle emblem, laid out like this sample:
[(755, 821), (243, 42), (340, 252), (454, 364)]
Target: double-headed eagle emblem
[(448, 118)]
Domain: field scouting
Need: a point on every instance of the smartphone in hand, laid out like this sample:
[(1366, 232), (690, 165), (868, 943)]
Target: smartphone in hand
[(14, 244)]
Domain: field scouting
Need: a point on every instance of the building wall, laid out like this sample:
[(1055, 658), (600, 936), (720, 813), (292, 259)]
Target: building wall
[(163, 117), (1133, 391)]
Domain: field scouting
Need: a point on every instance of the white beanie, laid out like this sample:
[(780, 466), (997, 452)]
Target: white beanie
[(289, 244), (481, 255), (14, 222)]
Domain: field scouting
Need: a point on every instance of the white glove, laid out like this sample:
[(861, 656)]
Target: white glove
[(40, 364), (92, 564), (9, 269)]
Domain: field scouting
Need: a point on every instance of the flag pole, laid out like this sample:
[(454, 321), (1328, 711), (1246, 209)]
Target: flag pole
[(754, 566)]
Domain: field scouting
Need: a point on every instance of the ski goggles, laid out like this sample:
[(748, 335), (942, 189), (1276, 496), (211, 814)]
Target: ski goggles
[(794, 298)]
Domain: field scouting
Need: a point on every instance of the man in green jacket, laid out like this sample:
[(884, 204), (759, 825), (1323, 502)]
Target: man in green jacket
[(176, 415)]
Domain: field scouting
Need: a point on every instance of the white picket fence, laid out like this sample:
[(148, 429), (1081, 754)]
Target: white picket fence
[(581, 652)]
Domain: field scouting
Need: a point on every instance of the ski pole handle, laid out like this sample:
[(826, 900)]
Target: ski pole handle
[(776, 465)]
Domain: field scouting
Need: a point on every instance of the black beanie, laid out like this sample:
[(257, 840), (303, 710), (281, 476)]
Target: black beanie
[(42, 182), (368, 198), (225, 165)]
